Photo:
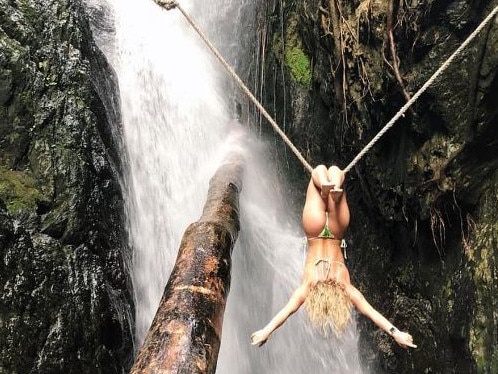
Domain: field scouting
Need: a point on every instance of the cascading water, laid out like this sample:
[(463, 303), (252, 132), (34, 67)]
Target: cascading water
[(176, 112)]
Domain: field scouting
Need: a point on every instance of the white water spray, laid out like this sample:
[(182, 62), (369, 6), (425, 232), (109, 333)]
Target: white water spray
[(176, 116)]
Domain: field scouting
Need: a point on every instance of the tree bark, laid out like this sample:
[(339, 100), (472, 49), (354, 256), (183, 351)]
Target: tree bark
[(185, 334)]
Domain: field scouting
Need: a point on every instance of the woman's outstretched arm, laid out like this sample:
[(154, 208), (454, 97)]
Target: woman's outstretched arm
[(296, 300), (404, 339)]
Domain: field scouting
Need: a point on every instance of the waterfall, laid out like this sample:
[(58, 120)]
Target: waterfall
[(177, 107)]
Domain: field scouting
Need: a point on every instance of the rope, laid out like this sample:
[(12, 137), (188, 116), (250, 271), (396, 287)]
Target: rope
[(431, 80), (168, 4), (173, 4)]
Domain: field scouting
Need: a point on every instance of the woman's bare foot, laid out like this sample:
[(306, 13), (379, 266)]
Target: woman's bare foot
[(336, 176), (325, 189), (336, 195)]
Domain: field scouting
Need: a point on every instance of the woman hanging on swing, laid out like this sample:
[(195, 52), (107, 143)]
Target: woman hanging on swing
[(326, 290)]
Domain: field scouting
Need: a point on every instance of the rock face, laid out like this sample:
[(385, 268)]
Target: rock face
[(65, 300), (422, 242)]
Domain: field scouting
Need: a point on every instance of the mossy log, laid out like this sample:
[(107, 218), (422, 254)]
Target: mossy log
[(185, 334)]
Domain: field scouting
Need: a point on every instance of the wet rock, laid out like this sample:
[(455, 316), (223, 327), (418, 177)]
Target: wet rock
[(66, 302)]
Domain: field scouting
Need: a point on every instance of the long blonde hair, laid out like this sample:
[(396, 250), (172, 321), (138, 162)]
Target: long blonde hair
[(328, 306)]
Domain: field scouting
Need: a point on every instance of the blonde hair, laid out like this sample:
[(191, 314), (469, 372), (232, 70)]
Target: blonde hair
[(328, 306)]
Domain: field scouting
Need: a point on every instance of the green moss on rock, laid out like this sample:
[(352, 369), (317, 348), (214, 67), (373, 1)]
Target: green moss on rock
[(290, 51), (19, 191), (299, 65)]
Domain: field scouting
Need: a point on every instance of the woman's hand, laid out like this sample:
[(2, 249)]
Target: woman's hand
[(404, 339), (259, 337)]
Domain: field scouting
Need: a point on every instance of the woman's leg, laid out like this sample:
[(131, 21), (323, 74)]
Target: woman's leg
[(314, 212), (337, 204), (336, 177), (320, 178)]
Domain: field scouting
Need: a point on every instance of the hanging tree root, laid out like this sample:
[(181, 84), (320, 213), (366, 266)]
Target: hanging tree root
[(185, 334), (392, 48), (348, 61), (331, 25)]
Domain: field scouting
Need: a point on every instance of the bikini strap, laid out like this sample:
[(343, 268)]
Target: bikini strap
[(338, 241), (305, 249), (344, 245)]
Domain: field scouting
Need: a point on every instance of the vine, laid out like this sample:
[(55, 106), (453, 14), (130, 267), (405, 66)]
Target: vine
[(392, 48), (349, 66)]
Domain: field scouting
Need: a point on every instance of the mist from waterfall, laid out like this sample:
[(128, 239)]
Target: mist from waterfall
[(177, 107)]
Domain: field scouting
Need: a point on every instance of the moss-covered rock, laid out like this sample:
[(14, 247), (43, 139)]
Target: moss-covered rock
[(299, 64), (19, 191), (289, 49), (66, 302), (482, 254)]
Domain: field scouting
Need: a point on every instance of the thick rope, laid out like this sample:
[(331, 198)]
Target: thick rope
[(172, 4), (431, 80)]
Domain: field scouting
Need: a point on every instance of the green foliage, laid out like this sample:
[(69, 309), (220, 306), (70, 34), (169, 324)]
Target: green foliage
[(299, 64), (484, 365), (289, 50), (18, 190)]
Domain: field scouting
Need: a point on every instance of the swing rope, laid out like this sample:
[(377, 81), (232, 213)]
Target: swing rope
[(172, 4), (168, 4)]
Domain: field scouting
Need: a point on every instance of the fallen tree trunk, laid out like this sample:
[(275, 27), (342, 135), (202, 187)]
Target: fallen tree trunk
[(185, 334)]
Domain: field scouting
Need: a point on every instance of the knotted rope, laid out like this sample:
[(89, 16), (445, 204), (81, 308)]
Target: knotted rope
[(174, 4)]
